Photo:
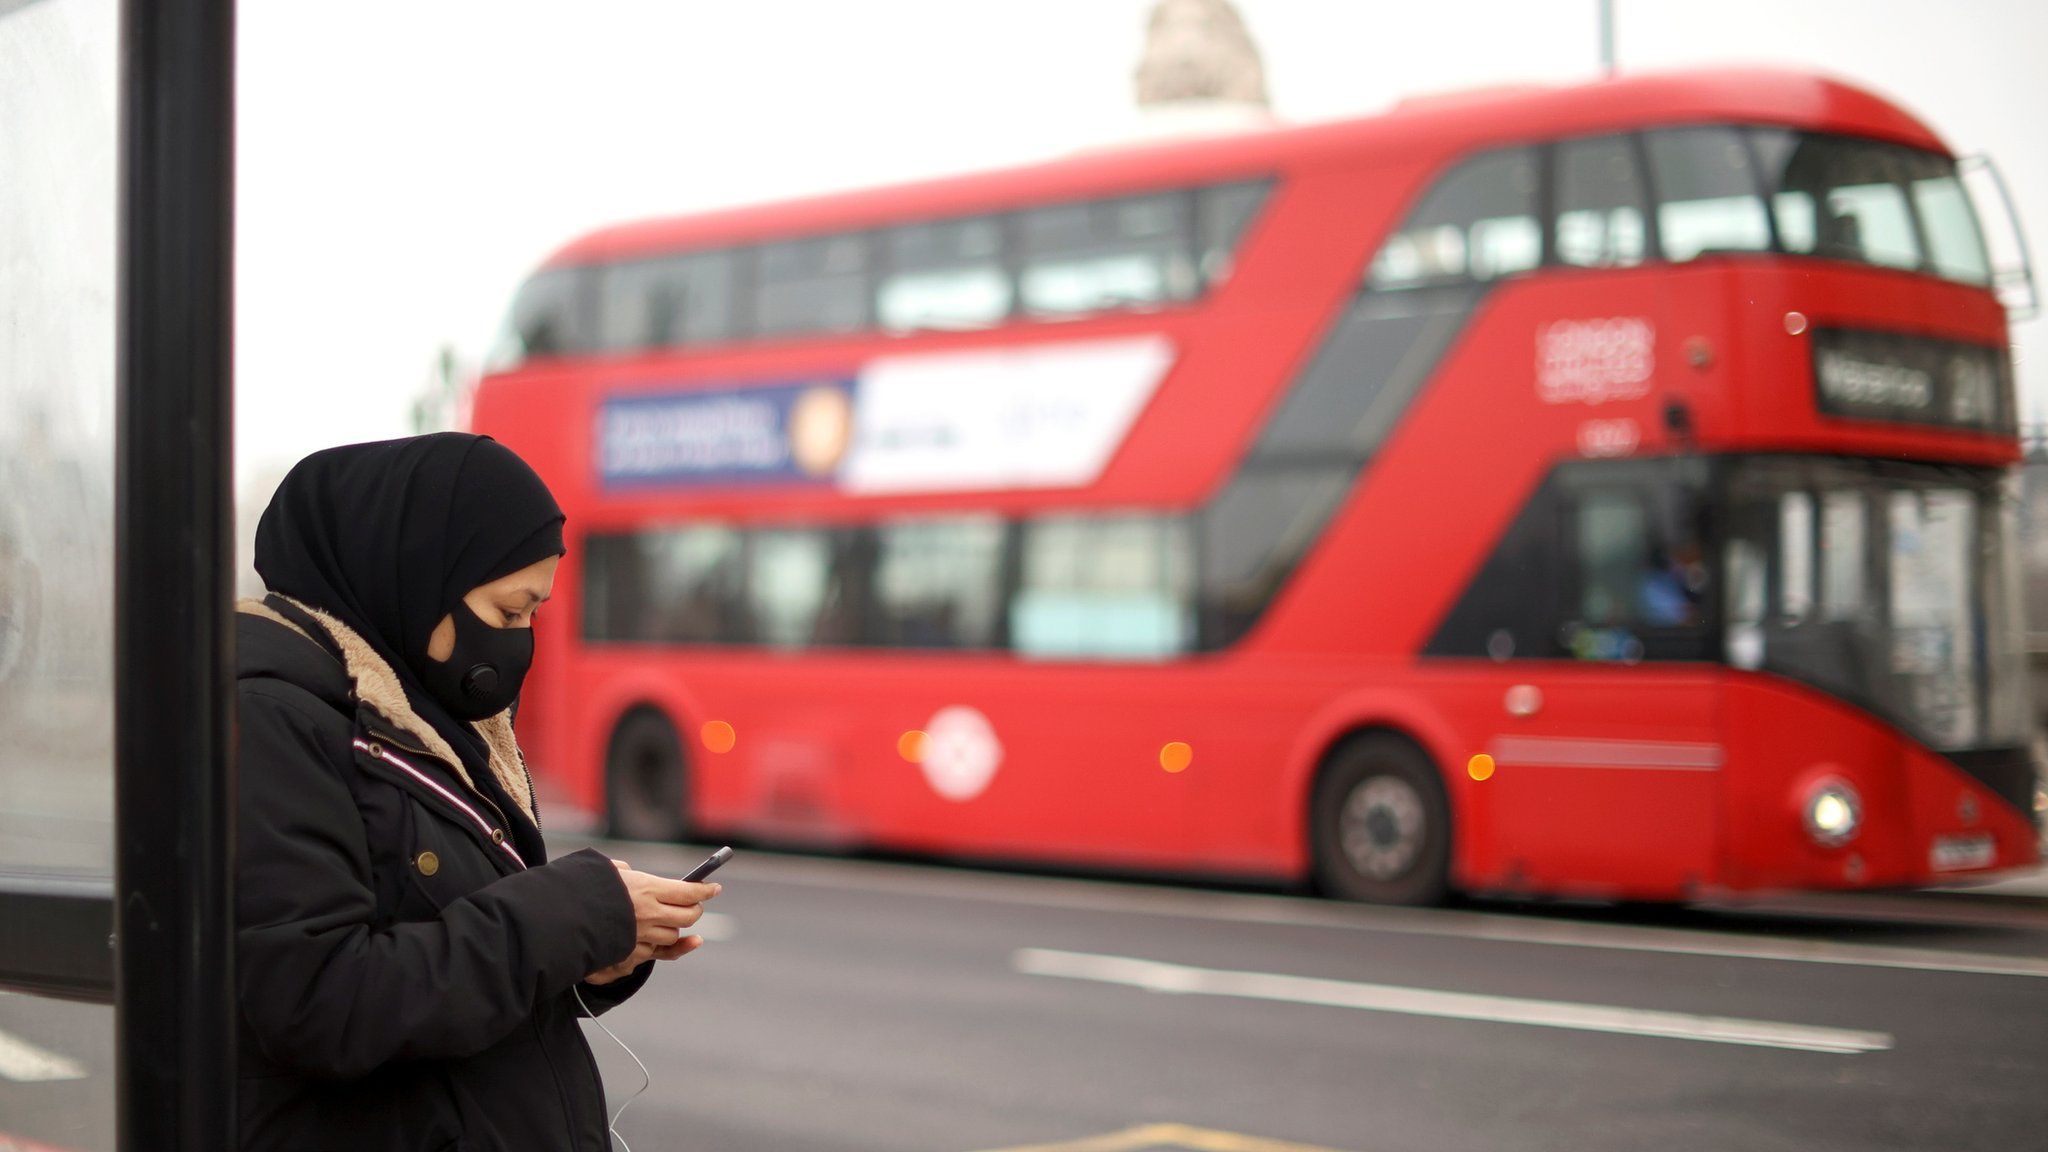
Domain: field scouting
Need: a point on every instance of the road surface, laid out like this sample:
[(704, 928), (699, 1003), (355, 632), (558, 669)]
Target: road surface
[(859, 1006)]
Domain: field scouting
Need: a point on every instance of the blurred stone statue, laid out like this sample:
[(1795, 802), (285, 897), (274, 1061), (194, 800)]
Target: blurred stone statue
[(1199, 52)]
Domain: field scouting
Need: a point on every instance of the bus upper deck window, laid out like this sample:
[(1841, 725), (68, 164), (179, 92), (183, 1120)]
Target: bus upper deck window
[(1840, 198), (1954, 244), (947, 274), (1224, 211), (816, 285), (1707, 193), (1599, 203), (547, 319), (1106, 254), (1861, 200), (665, 302), (1477, 223)]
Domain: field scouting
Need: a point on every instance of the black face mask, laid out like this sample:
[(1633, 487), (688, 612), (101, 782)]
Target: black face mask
[(481, 676)]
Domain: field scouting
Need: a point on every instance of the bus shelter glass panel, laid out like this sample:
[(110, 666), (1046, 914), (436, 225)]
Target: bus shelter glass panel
[(58, 70)]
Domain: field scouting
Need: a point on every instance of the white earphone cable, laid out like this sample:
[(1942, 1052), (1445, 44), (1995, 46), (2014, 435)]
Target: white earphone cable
[(646, 1078)]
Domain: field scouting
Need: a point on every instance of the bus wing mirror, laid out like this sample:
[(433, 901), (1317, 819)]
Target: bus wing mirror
[(2005, 242)]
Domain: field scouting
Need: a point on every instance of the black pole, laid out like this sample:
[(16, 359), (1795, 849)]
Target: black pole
[(173, 547)]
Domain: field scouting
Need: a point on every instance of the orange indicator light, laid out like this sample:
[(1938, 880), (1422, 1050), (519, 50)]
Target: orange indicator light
[(1480, 766), (1176, 756), (910, 746), (719, 736)]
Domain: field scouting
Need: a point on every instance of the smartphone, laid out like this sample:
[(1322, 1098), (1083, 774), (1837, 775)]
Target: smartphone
[(711, 864)]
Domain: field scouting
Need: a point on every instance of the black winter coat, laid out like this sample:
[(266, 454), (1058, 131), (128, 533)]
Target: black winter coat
[(404, 978)]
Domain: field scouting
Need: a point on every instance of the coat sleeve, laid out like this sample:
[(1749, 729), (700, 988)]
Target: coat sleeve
[(602, 998), (325, 994)]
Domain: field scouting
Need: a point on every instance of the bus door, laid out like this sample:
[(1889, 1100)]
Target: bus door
[(1608, 755)]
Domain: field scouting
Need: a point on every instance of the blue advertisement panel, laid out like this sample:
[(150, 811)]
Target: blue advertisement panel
[(782, 433), (1043, 416)]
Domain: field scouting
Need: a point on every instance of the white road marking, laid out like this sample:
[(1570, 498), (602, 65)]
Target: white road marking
[(25, 1063), (715, 926), (1155, 976), (936, 881)]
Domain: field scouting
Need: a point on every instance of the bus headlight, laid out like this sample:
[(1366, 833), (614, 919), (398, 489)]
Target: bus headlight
[(1833, 813)]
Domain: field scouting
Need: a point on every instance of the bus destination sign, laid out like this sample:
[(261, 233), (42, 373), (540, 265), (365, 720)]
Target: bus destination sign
[(1912, 380)]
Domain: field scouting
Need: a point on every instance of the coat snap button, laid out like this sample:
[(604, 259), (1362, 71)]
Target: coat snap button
[(376, 750), (427, 863), (497, 835)]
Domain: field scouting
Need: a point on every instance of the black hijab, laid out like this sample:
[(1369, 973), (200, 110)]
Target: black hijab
[(388, 537)]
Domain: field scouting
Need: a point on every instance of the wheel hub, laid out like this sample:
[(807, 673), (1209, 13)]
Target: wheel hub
[(1382, 827)]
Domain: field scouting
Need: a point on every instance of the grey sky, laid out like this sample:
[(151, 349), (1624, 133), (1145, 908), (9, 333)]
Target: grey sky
[(402, 164)]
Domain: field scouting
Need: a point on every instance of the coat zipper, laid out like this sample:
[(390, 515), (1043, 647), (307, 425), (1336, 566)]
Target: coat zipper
[(494, 835), (547, 1053), (393, 740), (390, 738), (596, 1076)]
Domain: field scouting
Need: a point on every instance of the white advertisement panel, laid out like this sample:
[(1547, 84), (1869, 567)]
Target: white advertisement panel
[(1032, 417)]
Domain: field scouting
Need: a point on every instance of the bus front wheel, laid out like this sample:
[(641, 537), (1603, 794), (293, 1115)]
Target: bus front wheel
[(1380, 825), (645, 797)]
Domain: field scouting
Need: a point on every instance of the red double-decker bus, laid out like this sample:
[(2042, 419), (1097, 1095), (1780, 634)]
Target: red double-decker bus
[(1597, 491)]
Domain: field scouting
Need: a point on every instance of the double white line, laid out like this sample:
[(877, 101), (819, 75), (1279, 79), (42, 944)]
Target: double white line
[(1155, 976)]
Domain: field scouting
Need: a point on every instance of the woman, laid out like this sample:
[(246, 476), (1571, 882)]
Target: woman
[(410, 965)]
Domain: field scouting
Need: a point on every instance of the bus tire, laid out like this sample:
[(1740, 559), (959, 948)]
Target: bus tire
[(1380, 823), (645, 779)]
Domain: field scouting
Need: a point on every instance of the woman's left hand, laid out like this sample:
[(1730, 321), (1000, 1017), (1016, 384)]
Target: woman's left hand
[(645, 951), (624, 968)]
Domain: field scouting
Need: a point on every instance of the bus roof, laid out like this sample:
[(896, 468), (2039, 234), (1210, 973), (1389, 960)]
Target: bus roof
[(1449, 124)]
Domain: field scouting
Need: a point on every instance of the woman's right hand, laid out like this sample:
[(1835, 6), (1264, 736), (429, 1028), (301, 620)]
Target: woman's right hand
[(662, 909)]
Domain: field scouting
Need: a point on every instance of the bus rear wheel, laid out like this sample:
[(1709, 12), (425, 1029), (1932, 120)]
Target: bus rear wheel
[(645, 796), (1380, 824)]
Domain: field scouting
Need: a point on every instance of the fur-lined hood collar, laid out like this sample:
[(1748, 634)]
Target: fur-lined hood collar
[(377, 685)]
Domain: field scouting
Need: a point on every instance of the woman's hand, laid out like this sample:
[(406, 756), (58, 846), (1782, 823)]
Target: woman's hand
[(662, 908)]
